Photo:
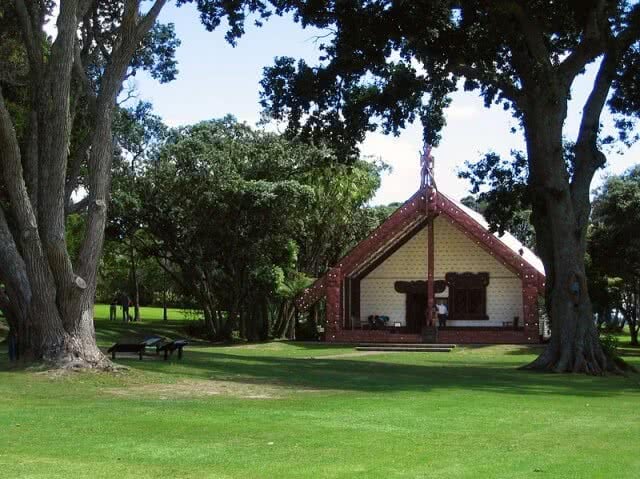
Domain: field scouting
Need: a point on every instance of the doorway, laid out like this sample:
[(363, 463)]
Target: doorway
[(416, 312)]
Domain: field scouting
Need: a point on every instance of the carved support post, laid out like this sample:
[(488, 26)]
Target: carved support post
[(334, 303), (430, 269), (530, 306)]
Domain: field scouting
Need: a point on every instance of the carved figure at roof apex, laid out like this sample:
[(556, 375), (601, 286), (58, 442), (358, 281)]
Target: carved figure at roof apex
[(427, 179)]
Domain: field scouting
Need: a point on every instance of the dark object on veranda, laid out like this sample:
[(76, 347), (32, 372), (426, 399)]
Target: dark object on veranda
[(172, 346), (127, 348), (377, 322)]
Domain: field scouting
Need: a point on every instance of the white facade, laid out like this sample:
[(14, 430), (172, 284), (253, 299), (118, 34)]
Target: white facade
[(454, 253)]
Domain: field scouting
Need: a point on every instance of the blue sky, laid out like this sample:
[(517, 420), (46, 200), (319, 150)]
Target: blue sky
[(216, 79)]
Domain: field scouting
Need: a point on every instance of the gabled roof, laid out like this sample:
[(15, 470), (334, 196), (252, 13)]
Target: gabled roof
[(407, 220), (507, 238)]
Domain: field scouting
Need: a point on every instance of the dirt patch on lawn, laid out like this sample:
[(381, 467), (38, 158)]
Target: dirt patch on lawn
[(187, 389)]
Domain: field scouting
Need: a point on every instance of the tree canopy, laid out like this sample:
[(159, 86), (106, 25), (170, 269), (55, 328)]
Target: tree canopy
[(614, 248), (243, 216), (385, 63)]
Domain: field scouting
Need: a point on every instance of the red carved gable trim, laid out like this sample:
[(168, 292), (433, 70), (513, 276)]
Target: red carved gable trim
[(401, 221), (485, 239), (311, 295)]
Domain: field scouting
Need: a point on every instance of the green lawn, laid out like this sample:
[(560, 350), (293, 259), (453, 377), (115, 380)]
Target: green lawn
[(281, 410), (101, 311)]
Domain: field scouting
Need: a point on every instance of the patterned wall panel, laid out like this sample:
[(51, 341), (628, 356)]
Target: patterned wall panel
[(454, 252), (378, 296), (409, 262)]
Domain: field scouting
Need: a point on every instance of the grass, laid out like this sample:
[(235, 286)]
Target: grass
[(293, 410), (101, 311)]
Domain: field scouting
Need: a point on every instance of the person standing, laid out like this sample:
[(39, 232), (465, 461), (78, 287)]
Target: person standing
[(443, 314), (113, 309), (125, 307)]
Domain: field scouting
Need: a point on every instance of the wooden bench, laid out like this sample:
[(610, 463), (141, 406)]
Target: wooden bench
[(153, 341), (170, 347), (138, 348)]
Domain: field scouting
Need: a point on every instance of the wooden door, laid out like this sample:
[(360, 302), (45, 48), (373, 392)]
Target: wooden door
[(416, 312)]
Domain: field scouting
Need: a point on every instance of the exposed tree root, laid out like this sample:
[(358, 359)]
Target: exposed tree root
[(586, 358), (72, 354), (75, 363)]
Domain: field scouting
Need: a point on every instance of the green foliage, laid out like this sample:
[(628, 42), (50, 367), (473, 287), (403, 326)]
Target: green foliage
[(338, 216), (138, 134), (616, 225), (75, 234), (222, 204), (384, 63), (610, 343), (614, 250), (240, 220), (157, 53), (500, 193)]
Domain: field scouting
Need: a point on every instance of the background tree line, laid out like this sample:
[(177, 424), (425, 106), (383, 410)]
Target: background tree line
[(232, 221)]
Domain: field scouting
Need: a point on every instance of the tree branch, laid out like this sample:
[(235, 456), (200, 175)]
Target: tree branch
[(129, 36), (12, 172), (13, 271), (31, 39), (54, 157), (532, 33), (508, 90), (588, 157), (149, 19), (81, 74), (593, 43)]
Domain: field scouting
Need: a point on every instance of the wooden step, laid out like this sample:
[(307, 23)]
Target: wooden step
[(429, 335), (406, 349)]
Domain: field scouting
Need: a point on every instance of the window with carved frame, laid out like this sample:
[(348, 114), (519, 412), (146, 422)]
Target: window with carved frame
[(467, 296)]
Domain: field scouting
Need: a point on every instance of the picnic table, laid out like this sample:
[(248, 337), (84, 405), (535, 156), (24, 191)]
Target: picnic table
[(140, 347)]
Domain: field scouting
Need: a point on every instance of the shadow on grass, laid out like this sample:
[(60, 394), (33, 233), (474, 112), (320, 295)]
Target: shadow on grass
[(370, 375)]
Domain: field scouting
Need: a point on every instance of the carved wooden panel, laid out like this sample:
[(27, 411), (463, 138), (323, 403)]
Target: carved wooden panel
[(419, 287), (467, 296)]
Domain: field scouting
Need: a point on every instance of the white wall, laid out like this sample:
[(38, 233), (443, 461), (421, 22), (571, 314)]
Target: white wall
[(455, 253)]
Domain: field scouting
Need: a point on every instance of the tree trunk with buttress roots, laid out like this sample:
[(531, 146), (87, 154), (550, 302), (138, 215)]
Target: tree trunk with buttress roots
[(560, 215), (52, 297)]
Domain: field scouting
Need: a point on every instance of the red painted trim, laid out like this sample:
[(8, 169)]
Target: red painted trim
[(485, 239), (333, 288), (530, 293), (311, 295), (445, 336), (399, 219), (413, 208)]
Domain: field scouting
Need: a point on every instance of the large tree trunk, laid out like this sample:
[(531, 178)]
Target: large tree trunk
[(52, 298), (560, 215)]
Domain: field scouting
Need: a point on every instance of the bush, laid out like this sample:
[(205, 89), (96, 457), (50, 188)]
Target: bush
[(609, 344)]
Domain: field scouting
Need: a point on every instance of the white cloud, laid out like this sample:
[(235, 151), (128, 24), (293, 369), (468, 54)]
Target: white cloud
[(462, 112), (403, 155)]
